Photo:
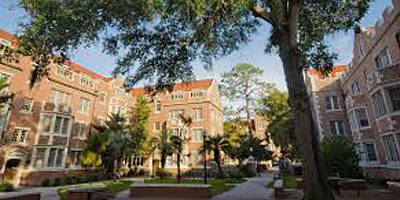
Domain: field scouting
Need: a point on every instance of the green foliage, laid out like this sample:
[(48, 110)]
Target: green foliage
[(275, 107), (247, 171), (242, 86), (45, 183), (251, 146), (340, 156), (91, 159), (163, 145), (234, 131), (139, 125), (216, 145), (57, 182), (6, 187)]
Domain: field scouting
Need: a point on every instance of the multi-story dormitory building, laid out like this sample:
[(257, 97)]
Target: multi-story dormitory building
[(367, 97), (198, 101), (44, 129)]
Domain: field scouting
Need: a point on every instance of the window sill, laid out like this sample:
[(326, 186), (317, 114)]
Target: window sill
[(333, 110), (79, 138), (25, 112), (53, 169)]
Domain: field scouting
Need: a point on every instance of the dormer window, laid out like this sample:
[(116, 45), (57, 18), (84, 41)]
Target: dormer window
[(176, 96), (86, 80), (196, 94), (4, 44), (64, 72), (383, 59)]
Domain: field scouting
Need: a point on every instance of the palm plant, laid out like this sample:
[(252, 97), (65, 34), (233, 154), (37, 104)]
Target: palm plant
[(177, 144), (216, 144), (163, 146)]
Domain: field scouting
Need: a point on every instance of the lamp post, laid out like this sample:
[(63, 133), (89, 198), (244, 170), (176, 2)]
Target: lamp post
[(205, 157)]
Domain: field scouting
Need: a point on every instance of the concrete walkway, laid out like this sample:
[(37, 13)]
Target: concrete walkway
[(253, 189)]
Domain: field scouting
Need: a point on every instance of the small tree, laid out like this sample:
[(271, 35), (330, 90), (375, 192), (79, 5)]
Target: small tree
[(216, 144), (90, 159), (177, 145), (163, 146), (242, 86), (340, 156)]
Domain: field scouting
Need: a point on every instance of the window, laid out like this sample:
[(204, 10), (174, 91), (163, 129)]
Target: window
[(394, 97), (64, 72), (79, 129), (58, 97), (75, 158), (383, 59), (179, 132), (370, 151), (157, 126), (332, 103), (84, 105), (197, 135), (176, 96), (391, 148), (59, 125), (358, 118), (102, 97), (86, 80), (55, 157), (398, 39), (196, 94), (27, 105), (337, 127), (175, 115), (39, 161), (379, 104), (157, 106), (198, 114), (19, 136), (361, 49), (355, 89), (4, 44)]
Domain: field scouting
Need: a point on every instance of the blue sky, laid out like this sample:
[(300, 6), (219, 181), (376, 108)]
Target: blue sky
[(252, 52)]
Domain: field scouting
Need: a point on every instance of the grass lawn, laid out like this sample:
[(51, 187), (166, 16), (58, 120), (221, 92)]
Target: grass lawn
[(218, 186), (289, 181), (111, 187)]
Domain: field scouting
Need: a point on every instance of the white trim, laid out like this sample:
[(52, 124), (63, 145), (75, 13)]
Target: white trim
[(396, 143)]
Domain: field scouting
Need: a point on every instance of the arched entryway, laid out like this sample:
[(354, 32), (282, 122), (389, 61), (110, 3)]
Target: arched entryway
[(12, 171)]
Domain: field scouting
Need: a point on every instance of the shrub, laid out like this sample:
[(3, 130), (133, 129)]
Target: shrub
[(141, 172), (45, 182), (70, 180), (57, 182), (340, 157), (162, 174), (247, 171), (6, 187)]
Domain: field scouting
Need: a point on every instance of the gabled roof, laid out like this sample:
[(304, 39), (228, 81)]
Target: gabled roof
[(8, 36), (185, 86)]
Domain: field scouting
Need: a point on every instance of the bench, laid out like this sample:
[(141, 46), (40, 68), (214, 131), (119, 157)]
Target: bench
[(20, 196), (395, 186), (166, 191), (353, 184), (89, 193), (299, 183), (278, 188)]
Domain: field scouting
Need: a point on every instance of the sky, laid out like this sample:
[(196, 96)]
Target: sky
[(252, 52)]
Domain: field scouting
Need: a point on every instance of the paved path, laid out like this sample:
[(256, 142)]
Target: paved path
[(253, 189)]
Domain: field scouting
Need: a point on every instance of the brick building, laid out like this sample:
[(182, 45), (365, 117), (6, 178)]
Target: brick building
[(198, 101), (368, 97), (44, 128)]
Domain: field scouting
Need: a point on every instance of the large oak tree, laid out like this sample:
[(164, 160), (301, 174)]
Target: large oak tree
[(160, 39)]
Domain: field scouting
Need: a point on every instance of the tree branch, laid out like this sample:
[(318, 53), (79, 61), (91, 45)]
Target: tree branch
[(259, 12)]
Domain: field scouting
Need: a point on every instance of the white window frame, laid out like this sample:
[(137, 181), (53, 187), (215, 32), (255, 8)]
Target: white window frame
[(47, 156), (377, 58), (73, 164), (177, 96), (6, 44), (86, 80), (198, 116), (197, 94), (389, 102), (61, 71), (200, 139), (30, 106), (65, 99), (53, 123), (355, 88), (81, 106), (331, 102), (157, 106), (352, 113), (155, 127), (81, 133), (20, 129), (337, 127), (384, 104), (397, 146)]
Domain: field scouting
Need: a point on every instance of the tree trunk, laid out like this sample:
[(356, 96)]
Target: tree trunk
[(247, 107), (315, 178), (178, 163), (217, 158)]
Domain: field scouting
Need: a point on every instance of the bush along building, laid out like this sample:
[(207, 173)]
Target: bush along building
[(188, 110), (369, 92)]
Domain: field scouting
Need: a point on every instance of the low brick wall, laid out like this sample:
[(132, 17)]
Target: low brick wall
[(381, 173), (19, 196), (93, 193), (175, 191)]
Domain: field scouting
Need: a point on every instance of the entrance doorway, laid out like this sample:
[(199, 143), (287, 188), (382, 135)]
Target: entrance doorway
[(12, 170)]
